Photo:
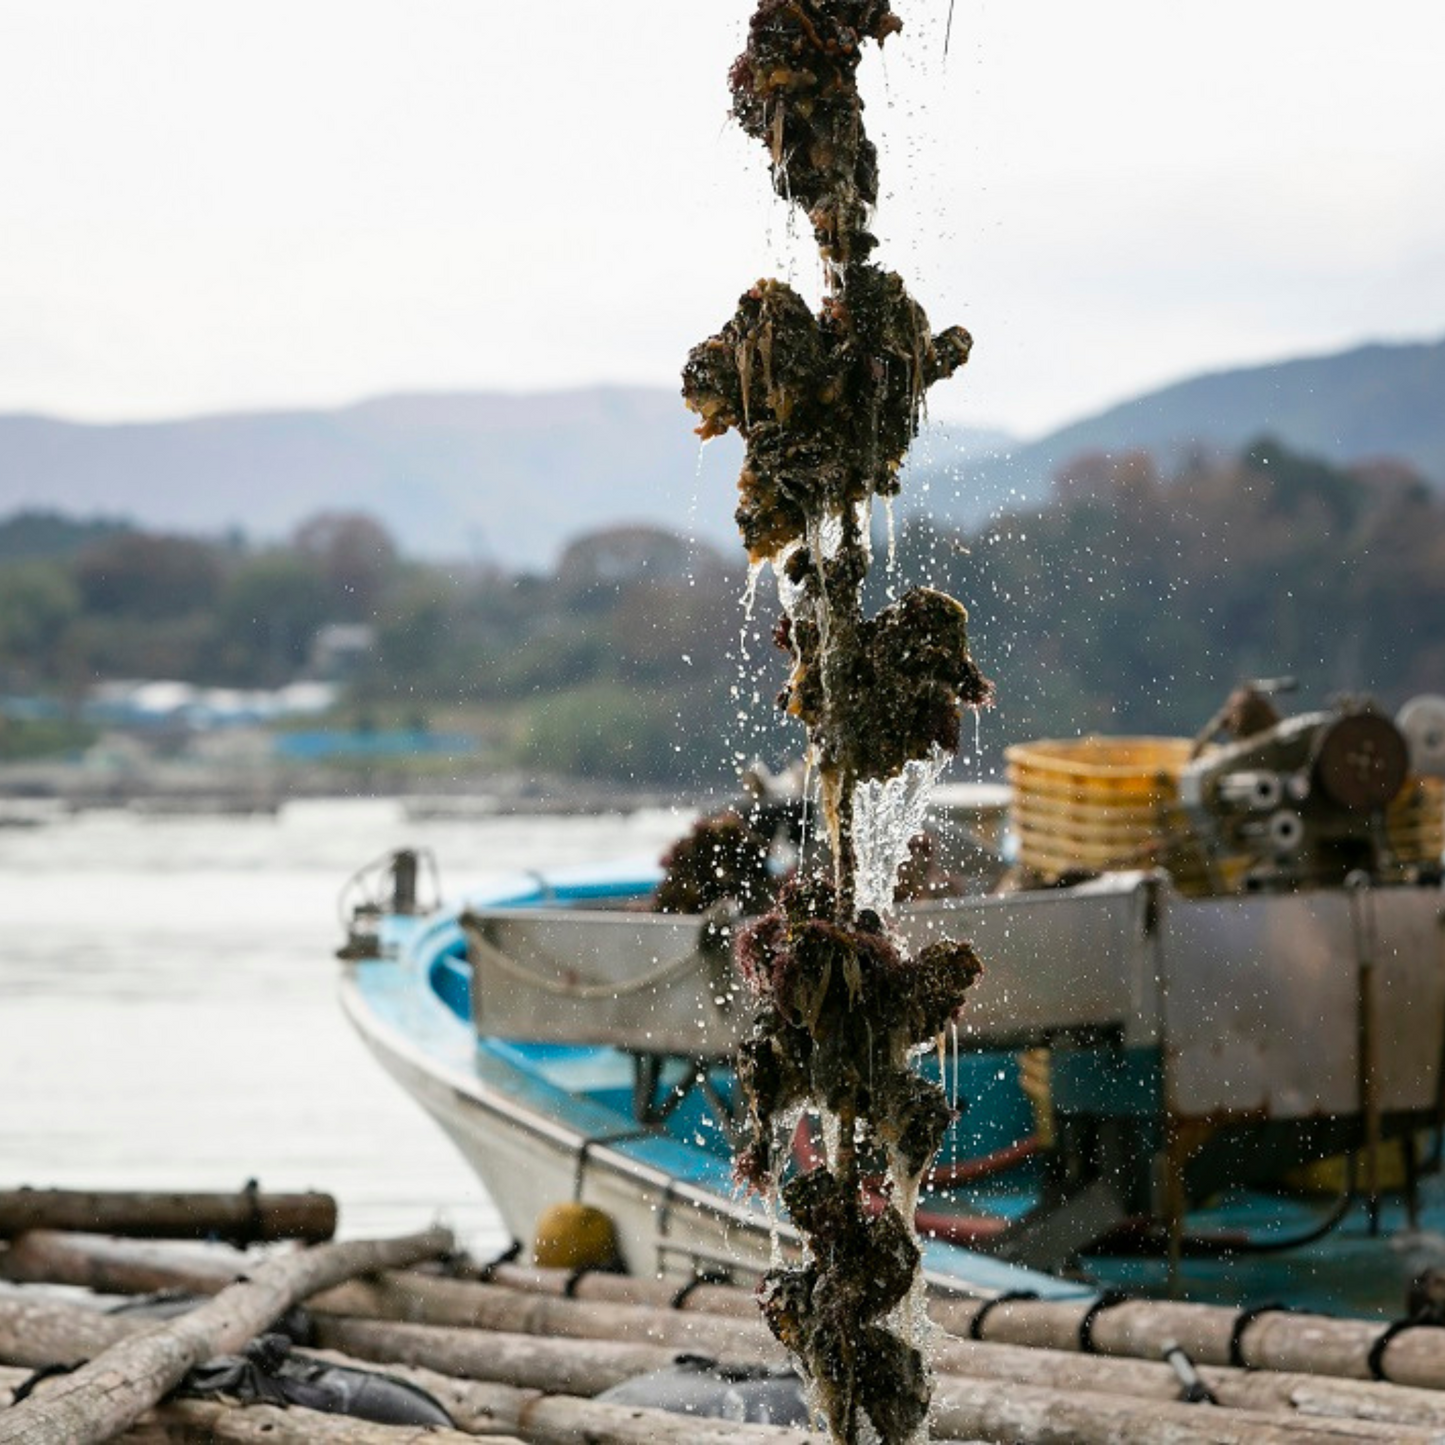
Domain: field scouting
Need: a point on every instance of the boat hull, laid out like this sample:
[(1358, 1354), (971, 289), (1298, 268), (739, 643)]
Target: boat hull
[(533, 1144)]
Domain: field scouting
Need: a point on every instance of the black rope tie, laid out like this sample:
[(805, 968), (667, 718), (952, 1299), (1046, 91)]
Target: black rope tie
[(507, 1256), (569, 1290), (1242, 1322), (975, 1325), (1376, 1357), (250, 1229), (26, 1387), (706, 1276), (1106, 1301)]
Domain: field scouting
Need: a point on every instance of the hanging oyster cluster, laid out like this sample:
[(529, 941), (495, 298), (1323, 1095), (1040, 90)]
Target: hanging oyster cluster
[(827, 405)]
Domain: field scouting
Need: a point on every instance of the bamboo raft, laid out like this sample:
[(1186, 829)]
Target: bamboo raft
[(515, 1354)]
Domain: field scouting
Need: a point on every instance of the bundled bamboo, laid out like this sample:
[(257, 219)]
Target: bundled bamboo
[(245, 1217), (115, 1389), (1274, 1339), (702, 1297), (414, 1296), (579, 1365), (557, 1366), (586, 1366), (1289, 1342), (531, 1337), (423, 1299), (1042, 1416)]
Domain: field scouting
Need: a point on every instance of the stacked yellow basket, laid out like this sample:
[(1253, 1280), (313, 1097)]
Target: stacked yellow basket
[(1096, 803), (1415, 821)]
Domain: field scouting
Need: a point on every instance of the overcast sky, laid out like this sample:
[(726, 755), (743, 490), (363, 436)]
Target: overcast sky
[(224, 204)]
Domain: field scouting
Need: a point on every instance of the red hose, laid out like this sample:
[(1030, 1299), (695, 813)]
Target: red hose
[(966, 1230)]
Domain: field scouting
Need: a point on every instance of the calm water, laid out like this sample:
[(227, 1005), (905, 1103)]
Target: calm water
[(168, 1013)]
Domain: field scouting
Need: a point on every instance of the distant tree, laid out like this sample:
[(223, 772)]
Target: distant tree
[(35, 534), (596, 568), (354, 553), (676, 630), (418, 629), (38, 601), (627, 734), (108, 646), (147, 575), (267, 616)]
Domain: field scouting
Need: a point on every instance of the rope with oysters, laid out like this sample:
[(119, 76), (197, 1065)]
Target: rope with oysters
[(827, 405)]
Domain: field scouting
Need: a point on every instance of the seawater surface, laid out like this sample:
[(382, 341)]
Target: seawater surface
[(168, 1004)]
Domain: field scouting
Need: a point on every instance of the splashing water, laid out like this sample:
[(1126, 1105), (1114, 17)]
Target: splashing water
[(885, 816), (750, 589), (750, 597)]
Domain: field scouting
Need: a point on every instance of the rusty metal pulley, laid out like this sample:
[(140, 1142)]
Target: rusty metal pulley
[(1361, 761)]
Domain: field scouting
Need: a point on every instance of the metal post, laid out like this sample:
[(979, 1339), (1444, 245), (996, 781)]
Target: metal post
[(1367, 1040)]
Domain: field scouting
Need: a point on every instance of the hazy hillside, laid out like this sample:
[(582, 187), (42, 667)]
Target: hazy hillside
[(514, 477), (1373, 401), (471, 474)]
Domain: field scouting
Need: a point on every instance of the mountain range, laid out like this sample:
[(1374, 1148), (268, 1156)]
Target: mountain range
[(511, 478), (1371, 402)]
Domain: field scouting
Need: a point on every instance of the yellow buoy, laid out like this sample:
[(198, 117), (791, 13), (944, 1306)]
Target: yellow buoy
[(574, 1236)]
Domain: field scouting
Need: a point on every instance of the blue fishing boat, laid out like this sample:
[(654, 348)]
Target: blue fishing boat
[(1222, 993), (560, 1105)]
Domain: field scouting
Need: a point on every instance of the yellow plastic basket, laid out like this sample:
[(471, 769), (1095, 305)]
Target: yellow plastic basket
[(1415, 821), (1095, 803)]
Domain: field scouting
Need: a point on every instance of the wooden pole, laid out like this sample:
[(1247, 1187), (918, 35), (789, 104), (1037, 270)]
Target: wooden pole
[(533, 1362), (245, 1217), (1277, 1340), (208, 1422), (120, 1266), (1041, 1416), (422, 1299), (711, 1299), (36, 1332), (111, 1393)]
